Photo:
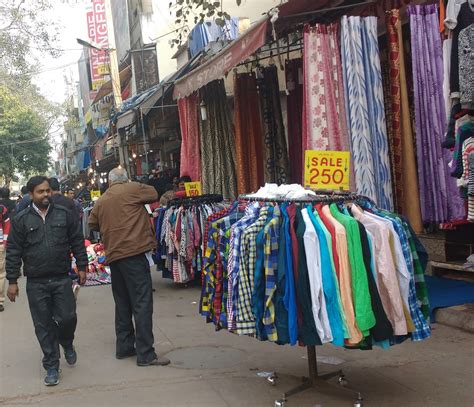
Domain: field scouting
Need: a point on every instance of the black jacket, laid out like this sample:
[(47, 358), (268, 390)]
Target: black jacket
[(44, 246)]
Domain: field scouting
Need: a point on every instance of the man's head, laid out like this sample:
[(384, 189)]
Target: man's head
[(118, 175), (70, 194), (40, 191), (54, 184), (4, 193), (24, 190), (182, 180)]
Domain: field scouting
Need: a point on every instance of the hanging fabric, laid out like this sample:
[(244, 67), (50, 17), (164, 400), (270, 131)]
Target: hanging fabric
[(190, 161), (294, 85), (438, 193), (248, 134), (275, 156), (324, 123), (404, 176), (217, 143), (365, 109)]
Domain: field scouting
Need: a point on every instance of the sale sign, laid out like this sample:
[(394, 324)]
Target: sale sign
[(327, 169), (193, 188)]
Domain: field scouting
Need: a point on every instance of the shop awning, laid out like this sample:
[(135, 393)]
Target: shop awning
[(106, 88), (221, 63)]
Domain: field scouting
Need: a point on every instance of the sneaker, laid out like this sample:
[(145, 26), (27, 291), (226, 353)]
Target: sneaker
[(52, 377), (126, 355), (158, 361), (2, 308), (70, 355)]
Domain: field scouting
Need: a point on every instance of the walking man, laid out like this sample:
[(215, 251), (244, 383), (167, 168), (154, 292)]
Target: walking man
[(126, 231), (43, 236)]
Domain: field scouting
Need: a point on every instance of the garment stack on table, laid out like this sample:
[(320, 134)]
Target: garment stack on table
[(179, 232), (345, 273)]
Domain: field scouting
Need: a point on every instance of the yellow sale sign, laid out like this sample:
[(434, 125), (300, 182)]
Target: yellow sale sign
[(326, 169), (95, 194), (193, 188)]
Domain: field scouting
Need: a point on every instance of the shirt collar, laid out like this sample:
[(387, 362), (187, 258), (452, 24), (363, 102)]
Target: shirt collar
[(39, 212)]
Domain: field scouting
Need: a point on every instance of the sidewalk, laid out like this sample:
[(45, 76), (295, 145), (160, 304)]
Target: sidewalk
[(215, 369)]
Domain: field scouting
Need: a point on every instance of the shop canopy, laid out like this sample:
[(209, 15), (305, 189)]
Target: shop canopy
[(106, 89)]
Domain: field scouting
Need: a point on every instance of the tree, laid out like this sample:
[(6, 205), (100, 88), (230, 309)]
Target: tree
[(196, 11), (24, 144), (24, 34)]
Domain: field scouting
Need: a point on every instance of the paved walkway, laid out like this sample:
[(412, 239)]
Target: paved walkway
[(220, 369)]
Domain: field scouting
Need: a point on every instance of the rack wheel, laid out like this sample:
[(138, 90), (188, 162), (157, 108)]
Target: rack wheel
[(280, 403), (342, 380), (272, 379), (359, 402)]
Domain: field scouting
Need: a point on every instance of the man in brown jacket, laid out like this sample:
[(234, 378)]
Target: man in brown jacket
[(122, 220)]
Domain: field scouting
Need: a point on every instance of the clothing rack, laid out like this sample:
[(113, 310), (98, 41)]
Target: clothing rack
[(196, 200), (314, 379)]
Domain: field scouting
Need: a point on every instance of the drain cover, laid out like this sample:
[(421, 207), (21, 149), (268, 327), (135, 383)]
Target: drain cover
[(205, 357)]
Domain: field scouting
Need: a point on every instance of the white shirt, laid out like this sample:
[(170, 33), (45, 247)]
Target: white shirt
[(313, 260), (40, 213)]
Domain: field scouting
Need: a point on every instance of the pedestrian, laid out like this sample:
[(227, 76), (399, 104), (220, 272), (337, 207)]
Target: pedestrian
[(43, 236), (71, 195), (6, 201), (4, 229), (25, 201), (122, 220)]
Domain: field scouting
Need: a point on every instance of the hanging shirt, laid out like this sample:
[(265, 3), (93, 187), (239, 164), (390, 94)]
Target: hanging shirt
[(329, 281), (360, 289), (345, 279), (388, 286), (330, 227), (313, 260)]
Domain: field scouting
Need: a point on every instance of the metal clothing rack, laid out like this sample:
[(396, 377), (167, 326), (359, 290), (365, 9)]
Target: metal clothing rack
[(196, 200), (314, 379)]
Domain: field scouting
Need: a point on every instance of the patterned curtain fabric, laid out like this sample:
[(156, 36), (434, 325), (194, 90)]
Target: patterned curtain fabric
[(324, 123), (248, 134), (294, 118), (190, 160), (275, 152), (365, 109), (404, 175), (439, 197), (217, 143)]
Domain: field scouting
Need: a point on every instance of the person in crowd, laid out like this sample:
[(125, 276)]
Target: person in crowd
[(25, 201), (168, 195), (43, 237), (71, 195), (4, 229), (6, 201), (122, 220)]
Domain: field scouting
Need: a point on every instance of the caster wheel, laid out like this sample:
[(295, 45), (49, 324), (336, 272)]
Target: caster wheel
[(272, 380), (280, 403), (359, 402), (342, 380)]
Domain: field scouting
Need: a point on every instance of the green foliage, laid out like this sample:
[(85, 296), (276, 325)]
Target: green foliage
[(24, 144), (196, 12)]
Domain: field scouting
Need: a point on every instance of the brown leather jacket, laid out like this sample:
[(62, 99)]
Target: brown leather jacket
[(122, 220)]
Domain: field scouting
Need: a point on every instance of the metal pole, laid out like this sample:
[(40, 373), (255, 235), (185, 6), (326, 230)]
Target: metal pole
[(144, 140), (312, 363)]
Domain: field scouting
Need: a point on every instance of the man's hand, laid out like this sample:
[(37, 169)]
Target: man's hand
[(12, 292), (82, 277)]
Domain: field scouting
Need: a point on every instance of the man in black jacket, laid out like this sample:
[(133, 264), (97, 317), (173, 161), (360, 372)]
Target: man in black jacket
[(43, 236)]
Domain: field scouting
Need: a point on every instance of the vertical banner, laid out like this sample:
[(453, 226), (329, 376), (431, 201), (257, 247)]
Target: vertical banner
[(327, 169), (98, 34)]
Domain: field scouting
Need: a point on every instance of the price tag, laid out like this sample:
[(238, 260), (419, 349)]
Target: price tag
[(95, 194), (193, 188), (327, 169)]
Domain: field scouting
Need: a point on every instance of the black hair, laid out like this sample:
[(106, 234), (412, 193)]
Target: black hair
[(4, 193), (54, 184), (185, 178), (24, 190), (33, 182)]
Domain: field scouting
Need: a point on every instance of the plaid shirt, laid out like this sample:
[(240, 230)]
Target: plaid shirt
[(233, 266), (244, 315), (422, 327), (272, 234)]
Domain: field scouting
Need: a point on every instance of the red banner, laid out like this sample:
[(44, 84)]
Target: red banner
[(98, 34), (216, 67)]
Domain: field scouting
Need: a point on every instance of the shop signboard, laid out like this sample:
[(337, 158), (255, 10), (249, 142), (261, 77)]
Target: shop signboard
[(95, 194), (327, 170), (193, 188)]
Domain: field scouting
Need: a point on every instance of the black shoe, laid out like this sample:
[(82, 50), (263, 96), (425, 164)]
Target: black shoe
[(2, 308), (126, 355), (52, 377), (70, 355), (158, 361)]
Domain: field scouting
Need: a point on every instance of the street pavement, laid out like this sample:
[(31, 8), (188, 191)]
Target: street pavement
[(215, 369)]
